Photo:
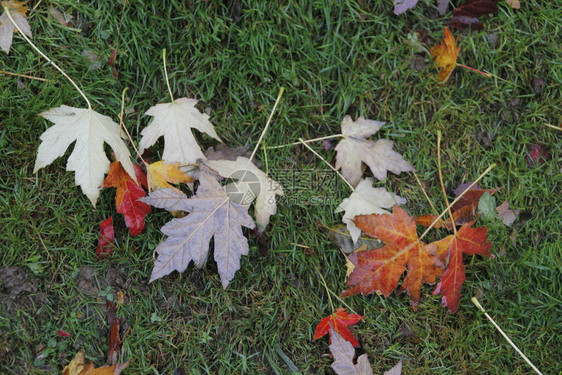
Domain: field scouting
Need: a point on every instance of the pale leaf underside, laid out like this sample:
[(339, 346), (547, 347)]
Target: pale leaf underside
[(7, 29), (175, 121), (354, 149), (251, 183), (211, 214), (90, 130), (344, 353), (366, 200)]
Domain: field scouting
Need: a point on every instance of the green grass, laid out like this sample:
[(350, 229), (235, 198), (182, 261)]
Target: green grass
[(333, 58)]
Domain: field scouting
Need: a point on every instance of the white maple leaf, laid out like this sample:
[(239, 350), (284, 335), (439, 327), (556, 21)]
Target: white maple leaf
[(366, 200), (251, 183), (354, 149), (17, 11), (174, 122), (88, 160), (344, 353), (211, 213)]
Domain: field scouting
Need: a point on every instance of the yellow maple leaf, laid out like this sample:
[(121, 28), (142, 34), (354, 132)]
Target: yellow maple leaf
[(78, 366), (15, 6), (445, 55), (160, 175)]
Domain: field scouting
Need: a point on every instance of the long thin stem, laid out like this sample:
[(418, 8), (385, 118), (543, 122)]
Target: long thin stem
[(475, 302), (166, 74), (486, 74), (553, 127), (307, 141), (281, 91), (122, 125), (455, 201), (475, 70), (425, 194), (47, 58), (442, 184), (23, 76), (326, 162), (326, 287)]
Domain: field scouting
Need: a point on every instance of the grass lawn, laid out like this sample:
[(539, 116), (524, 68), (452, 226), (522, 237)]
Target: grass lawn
[(334, 58)]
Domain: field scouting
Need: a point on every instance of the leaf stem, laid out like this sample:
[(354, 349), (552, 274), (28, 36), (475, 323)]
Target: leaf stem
[(326, 287), (307, 141), (166, 74), (425, 194), (442, 184), (475, 70), (24, 76), (122, 125), (281, 91), (553, 127), (492, 166), (477, 304), (47, 58), (326, 162)]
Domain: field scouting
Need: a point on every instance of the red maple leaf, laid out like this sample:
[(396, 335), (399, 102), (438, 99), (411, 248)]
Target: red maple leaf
[(469, 241), (379, 270), (106, 238), (340, 320), (467, 14), (128, 193)]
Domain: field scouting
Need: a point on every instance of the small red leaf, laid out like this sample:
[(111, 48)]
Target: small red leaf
[(106, 239), (128, 193), (340, 320), (468, 241), (62, 333)]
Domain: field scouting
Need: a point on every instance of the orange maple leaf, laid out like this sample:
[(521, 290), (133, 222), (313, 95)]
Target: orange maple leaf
[(380, 270), (339, 321), (469, 241), (160, 175), (445, 55)]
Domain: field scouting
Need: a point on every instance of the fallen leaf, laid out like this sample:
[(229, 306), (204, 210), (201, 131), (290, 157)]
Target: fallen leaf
[(515, 4), (62, 333), (106, 239), (468, 241), (250, 184), (400, 6), (354, 149), (487, 206), (90, 130), (78, 366), (223, 152), (442, 5), (364, 200), (538, 155), (467, 14), (339, 321), (507, 215), (380, 270), (18, 11), (211, 213), (63, 19), (114, 339), (160, 175), (343, 354), (127, 196), (445, 55), (175, 121), (341, 237)]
